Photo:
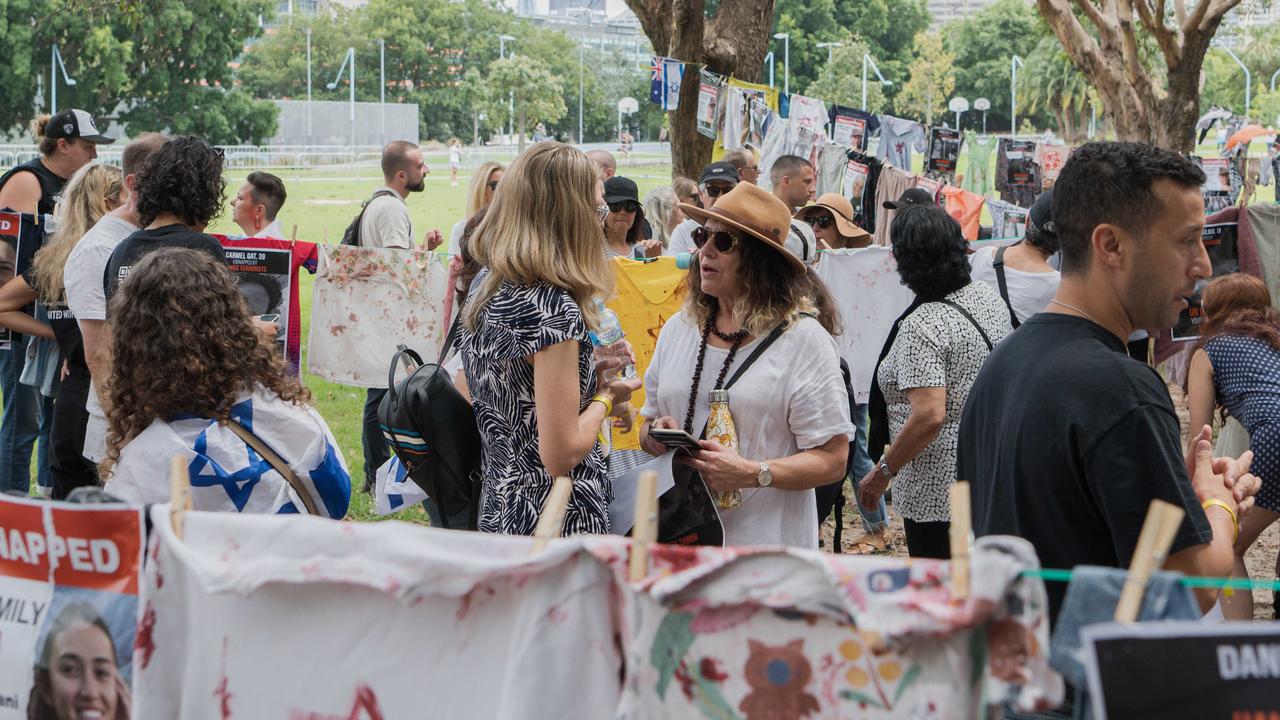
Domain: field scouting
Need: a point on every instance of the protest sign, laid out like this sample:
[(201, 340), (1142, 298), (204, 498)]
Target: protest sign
[(1184, 669), (1021, 156), (264, 276), (1224, 257), (944, 150), (68, 607)]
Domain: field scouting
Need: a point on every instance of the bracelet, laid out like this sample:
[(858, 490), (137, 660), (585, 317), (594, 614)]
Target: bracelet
[(1230, 511), (608, 404)]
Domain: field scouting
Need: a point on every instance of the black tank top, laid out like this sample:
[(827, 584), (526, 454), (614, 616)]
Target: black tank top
[(50, 184)]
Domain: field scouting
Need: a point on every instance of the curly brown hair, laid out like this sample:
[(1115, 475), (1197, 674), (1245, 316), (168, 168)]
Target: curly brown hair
[(183, 177), (1239, 304), (182, 343)]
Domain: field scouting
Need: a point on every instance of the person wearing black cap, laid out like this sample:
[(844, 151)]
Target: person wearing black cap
[(909, 197), (717, 179), (624, 224), (1021, 272), (68, 142)]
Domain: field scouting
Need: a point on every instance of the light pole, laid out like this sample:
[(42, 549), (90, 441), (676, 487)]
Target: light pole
[(308, 86), (581, 47), (382, 84), (984, 105), (1248, 77), (349, 58), (866, 60), (1014, 63), (55, 63), (1273, 79), (786, 61), (769, 59), (511, 97), (830, 46)]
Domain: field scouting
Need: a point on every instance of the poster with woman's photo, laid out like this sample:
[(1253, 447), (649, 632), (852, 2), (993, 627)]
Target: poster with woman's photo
[(263, 275), (68, 609), (1217, 176)]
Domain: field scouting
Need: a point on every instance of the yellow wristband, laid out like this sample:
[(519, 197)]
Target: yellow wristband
[(608, 404), (1230, 511)]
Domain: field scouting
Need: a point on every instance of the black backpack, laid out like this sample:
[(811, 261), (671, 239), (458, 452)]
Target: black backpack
[(432, 430), (351, 236), (831, 497)]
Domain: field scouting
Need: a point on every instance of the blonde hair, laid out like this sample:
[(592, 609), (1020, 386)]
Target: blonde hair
[(475, 191), (657, 207), (543, 228), (84, 202), (684, 187)]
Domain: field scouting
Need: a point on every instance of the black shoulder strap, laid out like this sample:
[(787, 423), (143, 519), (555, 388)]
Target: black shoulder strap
[(451, 337), (759, 350), (972, 321), (998, 265)]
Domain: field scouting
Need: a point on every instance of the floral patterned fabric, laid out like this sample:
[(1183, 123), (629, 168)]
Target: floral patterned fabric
[(367, 301)]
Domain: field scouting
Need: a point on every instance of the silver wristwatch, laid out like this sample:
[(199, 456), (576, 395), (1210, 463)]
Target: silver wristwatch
[(764, 477), (884, 468)]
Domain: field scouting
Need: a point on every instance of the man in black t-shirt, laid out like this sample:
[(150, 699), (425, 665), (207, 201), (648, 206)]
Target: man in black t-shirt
[(1065, 439)]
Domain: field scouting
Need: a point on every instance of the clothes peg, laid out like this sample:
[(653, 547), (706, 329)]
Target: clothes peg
[(961, 532), (551, 521), (645, 530)]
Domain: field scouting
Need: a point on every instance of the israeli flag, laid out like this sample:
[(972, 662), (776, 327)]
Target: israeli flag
[(393, 490)]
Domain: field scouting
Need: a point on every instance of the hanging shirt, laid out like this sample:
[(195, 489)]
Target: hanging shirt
[(893, 181), (807, 112), (710, 94), (897, 138), (869, 295), (1051, 158), (966, 208), (302, 255), (1007, 220), (944, 150), (832, 159), (368, 300), (929, 185), (735, 110), (977, 178), (852, 127), (1017, 175), (861, 177)]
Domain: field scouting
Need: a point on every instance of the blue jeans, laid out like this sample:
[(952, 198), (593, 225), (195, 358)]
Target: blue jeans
[(877, 520), (26, 417)]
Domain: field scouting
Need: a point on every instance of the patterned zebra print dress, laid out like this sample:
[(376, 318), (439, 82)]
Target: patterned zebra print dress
[(517, 322)]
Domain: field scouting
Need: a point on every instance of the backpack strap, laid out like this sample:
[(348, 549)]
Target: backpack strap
[(973, 322), (356, 240), (998, 265), (277, 463)]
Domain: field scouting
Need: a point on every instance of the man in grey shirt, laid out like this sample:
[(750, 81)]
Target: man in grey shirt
[(386, 224)]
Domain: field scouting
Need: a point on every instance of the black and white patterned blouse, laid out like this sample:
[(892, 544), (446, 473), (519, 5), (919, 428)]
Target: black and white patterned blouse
[(938, 347), (517, 322)]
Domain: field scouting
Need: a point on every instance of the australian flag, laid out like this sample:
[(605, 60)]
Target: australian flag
[(664, 86)]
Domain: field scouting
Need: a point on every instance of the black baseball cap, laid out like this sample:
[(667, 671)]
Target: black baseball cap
[(722, 171), (909, 197), (621, 189), (71, 124), (1041, 212)]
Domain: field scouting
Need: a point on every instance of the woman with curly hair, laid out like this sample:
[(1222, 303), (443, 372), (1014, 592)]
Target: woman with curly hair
[(928, 364), (191, 376), (1235, 367), (180, 190), (94, 191)]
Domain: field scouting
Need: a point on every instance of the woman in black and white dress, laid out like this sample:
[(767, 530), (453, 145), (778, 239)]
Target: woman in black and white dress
[(539, 396)]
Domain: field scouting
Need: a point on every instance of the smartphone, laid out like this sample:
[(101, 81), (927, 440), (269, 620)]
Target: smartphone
[(674, 438), (271, 318)]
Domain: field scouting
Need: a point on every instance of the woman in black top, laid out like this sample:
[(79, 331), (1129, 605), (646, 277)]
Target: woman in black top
[(68, 142), (93, 192)]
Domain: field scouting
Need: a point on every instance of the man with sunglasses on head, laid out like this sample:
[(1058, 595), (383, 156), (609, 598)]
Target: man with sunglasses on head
[(717, 179)]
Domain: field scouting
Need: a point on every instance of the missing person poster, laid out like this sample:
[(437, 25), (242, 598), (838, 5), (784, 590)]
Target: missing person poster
[(709, 87), (68, 609), (1217, 176), (944, 150), (1224, 257), (1021, 157), (851, 131), (264, 277), (855, 183), (1185, 670)]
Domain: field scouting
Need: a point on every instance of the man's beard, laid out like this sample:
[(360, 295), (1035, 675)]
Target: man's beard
[(418, 186)]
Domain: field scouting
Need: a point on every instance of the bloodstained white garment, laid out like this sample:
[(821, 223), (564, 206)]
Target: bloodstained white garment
[(294, 617)]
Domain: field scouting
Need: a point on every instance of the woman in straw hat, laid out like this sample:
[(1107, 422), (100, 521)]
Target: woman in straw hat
[(746, 286), (831, 218)]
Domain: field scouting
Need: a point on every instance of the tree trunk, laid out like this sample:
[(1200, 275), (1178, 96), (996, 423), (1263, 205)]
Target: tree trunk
[(733, 42)]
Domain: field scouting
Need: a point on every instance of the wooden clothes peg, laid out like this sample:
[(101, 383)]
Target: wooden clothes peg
[(179, 493), (1154, 541), (645, 530), (961, 530), (551, 521)]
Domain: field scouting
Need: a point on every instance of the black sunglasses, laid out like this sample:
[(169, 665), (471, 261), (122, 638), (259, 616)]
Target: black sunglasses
[(820, 221), (493, 184), (621, 206), (722, 240), (715, 190)]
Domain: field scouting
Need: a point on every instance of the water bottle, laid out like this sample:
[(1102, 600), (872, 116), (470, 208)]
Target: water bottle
[(608, 333)]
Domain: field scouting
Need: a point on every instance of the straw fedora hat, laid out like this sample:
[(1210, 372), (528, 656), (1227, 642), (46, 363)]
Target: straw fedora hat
[(755, 212), (841, 209)]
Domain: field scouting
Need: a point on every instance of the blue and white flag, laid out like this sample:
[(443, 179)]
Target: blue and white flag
[(664, 86), (393, 490)]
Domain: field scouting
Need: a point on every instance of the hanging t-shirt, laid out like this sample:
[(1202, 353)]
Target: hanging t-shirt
[(1051, 158), (929, 185), (761, 118), (852, 127), (944, 150), (1029, 292), (302, 255), (807, 112), (861, 176), (735, 110), (647, 294), (1007, 220), (710, 92), (977, 178), (1017, 175), (966, 208), (832, 159), (892, 183), (366, 301), (897, 138), (869, 295)]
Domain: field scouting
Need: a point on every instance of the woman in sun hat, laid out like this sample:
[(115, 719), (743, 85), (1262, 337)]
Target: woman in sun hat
[(831, 218)]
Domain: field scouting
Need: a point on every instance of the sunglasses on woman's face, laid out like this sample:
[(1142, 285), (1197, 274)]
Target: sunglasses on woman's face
[(820, 221), (624, 206), (493, 184), (722, 240)]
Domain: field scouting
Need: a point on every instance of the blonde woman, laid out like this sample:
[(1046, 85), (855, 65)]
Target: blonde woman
[(663, 211), (539, 396), (479, 194), (93, 191)]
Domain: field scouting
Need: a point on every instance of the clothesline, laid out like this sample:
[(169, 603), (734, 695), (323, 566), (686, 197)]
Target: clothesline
[(1057, 575)]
